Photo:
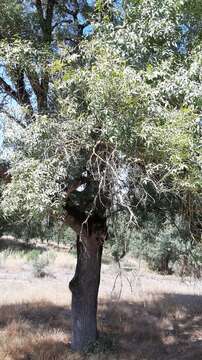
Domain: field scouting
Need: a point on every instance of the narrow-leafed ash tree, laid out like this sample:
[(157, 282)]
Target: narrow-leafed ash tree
[(101, 107)]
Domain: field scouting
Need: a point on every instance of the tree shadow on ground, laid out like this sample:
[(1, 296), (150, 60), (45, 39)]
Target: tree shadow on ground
[(9, 243), (168, 328), (44, 315)]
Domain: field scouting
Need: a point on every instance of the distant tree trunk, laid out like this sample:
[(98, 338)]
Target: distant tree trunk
[(84, 287), (164, 265)]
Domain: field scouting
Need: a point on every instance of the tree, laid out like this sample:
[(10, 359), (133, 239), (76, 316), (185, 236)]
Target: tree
[(30, 35), (112, 128)]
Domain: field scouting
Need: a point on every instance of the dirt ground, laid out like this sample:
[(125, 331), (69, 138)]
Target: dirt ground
[(141, 316)]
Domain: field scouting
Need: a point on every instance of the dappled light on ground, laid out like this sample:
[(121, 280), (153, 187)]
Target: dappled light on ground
[(167, 328), (141, 315)]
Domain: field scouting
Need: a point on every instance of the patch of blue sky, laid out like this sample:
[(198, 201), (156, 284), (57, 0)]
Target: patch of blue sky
[(182, 44), (81, 18), (11, 105), (119, 3), (88, 30), (91, 3), (119, 10)]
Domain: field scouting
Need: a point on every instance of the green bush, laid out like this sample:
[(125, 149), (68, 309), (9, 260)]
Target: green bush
[(168, 248), (166, 245), (61, 235), (41, 261)]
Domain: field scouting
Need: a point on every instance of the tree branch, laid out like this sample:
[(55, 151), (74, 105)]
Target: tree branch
[(12, 117), (8, 89), (34, 81), (23, 95), (40, 12), (40, 88), (49, 11), (46, 21)]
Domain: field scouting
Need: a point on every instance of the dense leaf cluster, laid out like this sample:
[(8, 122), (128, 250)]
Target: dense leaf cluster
[(109, 123)]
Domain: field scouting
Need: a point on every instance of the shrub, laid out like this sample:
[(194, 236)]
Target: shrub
[(40, 262), (168, 248)]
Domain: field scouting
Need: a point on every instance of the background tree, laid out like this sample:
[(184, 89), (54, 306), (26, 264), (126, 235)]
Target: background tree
[(106, 124)]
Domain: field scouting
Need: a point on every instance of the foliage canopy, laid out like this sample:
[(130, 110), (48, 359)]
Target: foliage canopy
[(109, 122)]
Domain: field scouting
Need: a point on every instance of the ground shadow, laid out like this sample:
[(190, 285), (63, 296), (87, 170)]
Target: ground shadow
[(9, 243), (42, 315), (169, 328)]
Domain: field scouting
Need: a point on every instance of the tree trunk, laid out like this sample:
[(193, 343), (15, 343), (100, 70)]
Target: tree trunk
[(84, 287)]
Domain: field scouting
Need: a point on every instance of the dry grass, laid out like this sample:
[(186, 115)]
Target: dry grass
[(161, 319), (163, 329)]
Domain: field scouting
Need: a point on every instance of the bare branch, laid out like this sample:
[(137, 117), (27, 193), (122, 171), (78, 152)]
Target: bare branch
[(46, 20), (23, 95), (40, 88), (12, 117), (49, 11), (20, 95), (8, 89), (40, 12)]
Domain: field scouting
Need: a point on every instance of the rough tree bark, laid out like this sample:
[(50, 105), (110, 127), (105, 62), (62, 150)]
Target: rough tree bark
[(85, 285)]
